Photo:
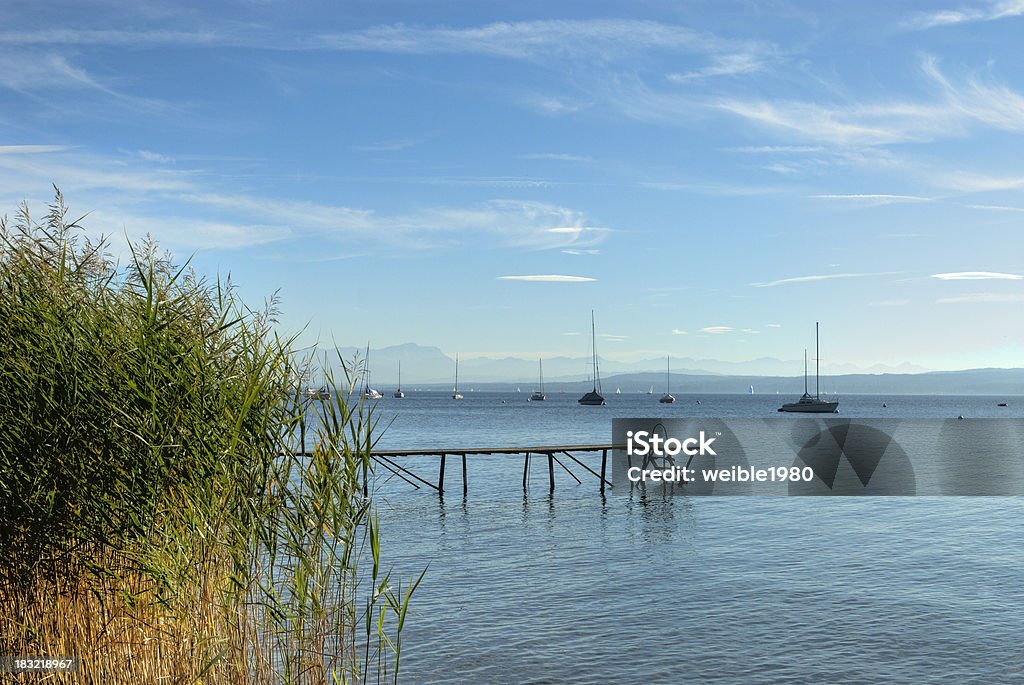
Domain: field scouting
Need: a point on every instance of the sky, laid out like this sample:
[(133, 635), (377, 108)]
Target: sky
[(710, 178)]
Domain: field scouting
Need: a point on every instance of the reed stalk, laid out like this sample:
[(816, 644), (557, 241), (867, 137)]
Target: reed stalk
[(156, 519)]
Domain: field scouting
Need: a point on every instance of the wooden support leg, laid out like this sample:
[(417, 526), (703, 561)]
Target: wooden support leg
[(526, 469), (440, 476), (465, 484), (604, 467), (551, 471)]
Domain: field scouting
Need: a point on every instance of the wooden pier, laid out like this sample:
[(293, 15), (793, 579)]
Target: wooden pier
[(388, 460)]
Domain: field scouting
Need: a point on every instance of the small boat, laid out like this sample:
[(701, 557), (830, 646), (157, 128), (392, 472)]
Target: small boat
[(668, 397), (324, 391), (618, 391), (369, 393), (594, 398), (398, 394), (650, 390), (1001, 404), (538, 395), (456, 395), (807, 404)]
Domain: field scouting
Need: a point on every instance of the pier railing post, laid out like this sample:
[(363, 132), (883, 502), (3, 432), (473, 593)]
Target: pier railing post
[(551, 471), (526, 469), (604, 467), (440, 476), (465, 484)]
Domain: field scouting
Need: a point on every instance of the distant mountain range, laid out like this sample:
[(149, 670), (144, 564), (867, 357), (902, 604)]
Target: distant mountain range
[(429, 367)]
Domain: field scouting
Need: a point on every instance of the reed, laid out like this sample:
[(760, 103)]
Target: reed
[(155, 519)]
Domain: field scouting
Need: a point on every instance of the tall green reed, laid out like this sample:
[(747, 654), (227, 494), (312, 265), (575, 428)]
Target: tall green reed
[(149, 485)]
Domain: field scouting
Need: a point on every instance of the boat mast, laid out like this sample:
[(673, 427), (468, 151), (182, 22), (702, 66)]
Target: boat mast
[(456, 372), (817, 362), (593, 343), (667, 376), (540, 364), (399, 374), (805, 370)]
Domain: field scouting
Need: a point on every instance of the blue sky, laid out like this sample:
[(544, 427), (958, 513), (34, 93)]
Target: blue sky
[(710, 177)]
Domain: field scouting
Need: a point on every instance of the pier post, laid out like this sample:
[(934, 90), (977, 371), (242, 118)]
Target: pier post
[(440, 476), (465, 484), (604, 467), (526, 469), (551, 471)]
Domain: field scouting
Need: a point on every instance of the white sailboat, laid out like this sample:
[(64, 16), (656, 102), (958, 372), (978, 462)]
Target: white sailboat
[(668, 397), (538, 395), (807, 404), (456, 395), (398, 394), (594, 397), (369, 393)]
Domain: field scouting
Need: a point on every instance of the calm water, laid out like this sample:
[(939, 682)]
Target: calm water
[(578, 588)]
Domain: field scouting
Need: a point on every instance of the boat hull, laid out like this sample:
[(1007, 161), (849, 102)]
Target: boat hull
[(592, 399), (819, 407)]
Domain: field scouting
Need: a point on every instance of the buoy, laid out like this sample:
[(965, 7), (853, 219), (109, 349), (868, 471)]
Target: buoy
[(961, 416)]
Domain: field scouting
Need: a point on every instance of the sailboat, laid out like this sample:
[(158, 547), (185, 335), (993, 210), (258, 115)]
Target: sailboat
[(456, 395), (594, 397), (538, 395), (807, 404), (398, 394), (650, 390), (324, 391), (667, 398), (368, 392)]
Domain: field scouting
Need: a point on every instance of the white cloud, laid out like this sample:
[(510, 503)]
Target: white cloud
[(873, 198), (815, 278), (959, 105), (717, 330), (998, 9), (774, 325), (723, 65), (978, 276), (150, 156), (548, 278), (676, 331), (996, 208), (982, 298), (581, 252), (557, 156), (30, 149)]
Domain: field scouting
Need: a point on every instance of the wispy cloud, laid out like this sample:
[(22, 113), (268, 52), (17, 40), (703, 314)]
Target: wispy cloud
[(723, 65), (982, 297), (978, 276), (677, 331), (717, 330), (776, 149), (136, 190), (602, 39), (151, 156), (873, 198), (816, 278), (774, 325), (989, 11), (557, 156), (996, 208), (30, 149), (581, 252), (548, 278), (388, 145), (959, 105)]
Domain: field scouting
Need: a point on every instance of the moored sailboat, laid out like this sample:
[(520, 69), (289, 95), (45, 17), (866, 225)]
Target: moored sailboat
[(807, 404), (594, 397), (668, 397), (538, 395)]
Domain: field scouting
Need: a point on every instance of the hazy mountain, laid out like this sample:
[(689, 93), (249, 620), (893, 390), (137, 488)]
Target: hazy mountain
[(428, 366)]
